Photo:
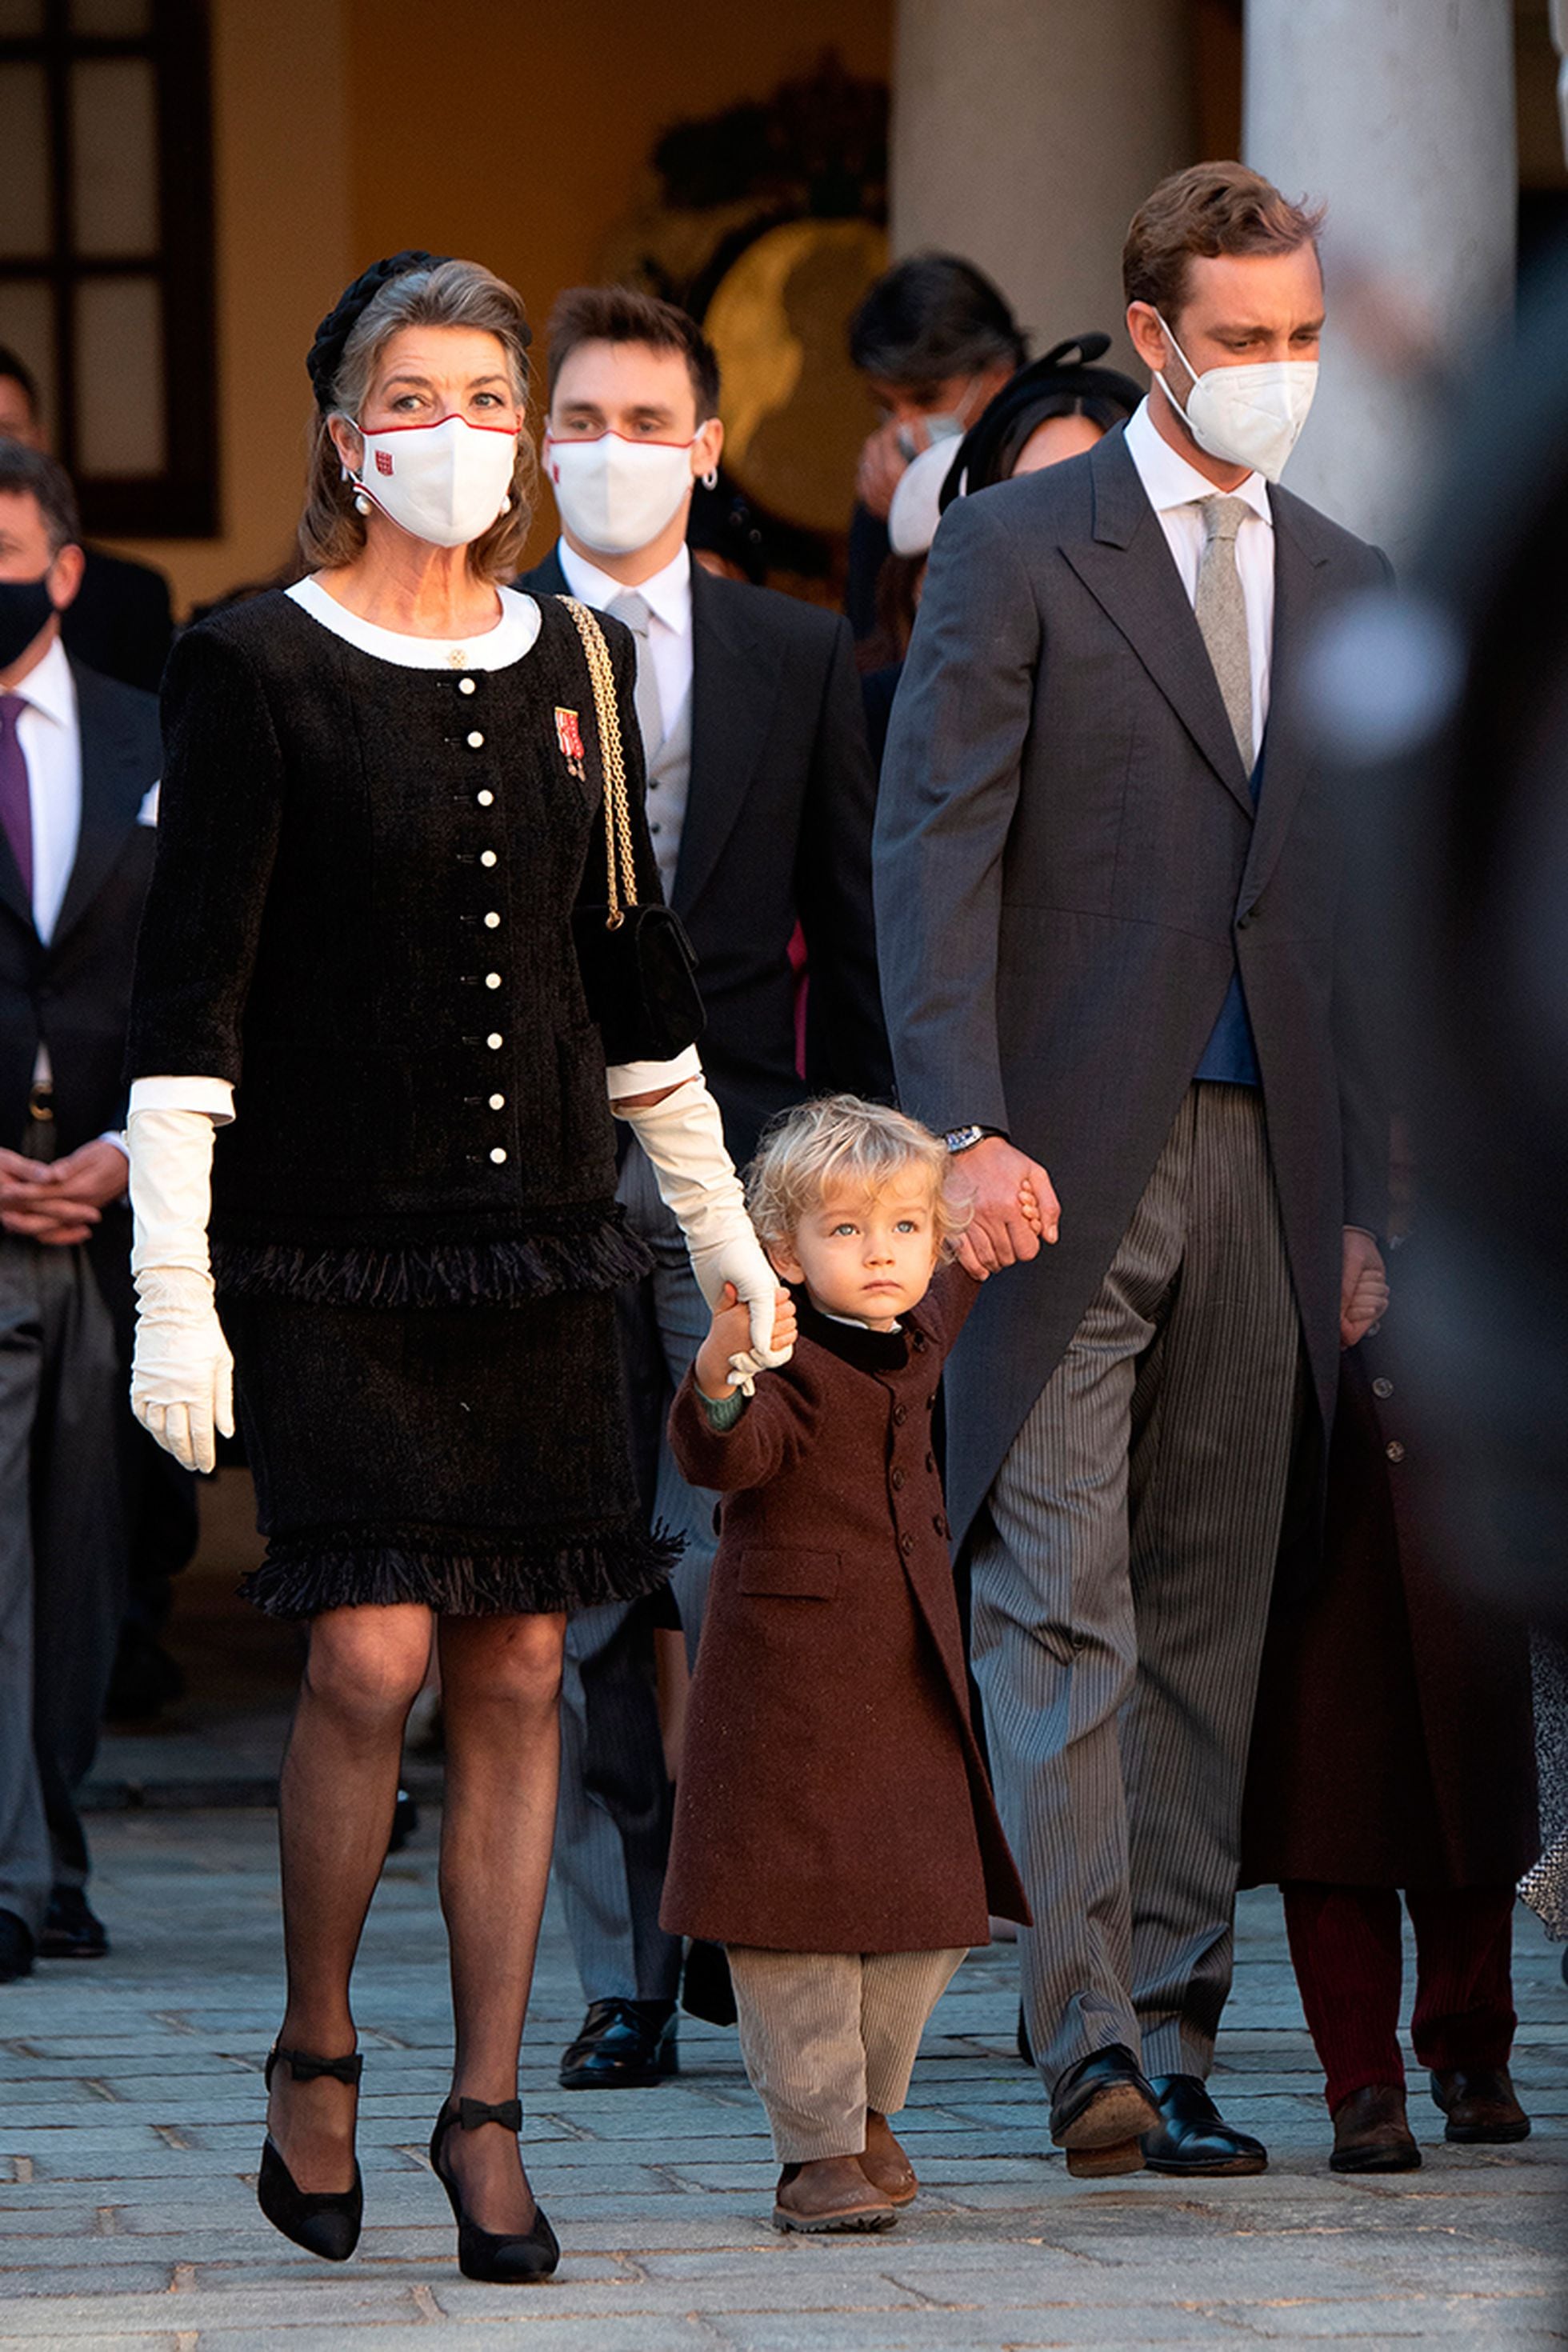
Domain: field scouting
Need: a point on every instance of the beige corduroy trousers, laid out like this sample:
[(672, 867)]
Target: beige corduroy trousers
[(825, 2035)]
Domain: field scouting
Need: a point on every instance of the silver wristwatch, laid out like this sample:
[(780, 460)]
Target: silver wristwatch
[(965, 1138)]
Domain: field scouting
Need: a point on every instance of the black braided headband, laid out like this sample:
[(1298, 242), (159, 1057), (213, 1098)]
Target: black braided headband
[(326, 353)]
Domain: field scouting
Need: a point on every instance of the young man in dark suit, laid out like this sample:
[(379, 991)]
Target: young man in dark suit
[(761, 802), (120, 622), (1110, 883), (78, 760)]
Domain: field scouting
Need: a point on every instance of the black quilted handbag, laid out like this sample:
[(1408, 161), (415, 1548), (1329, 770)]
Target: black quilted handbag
[(639, 971)]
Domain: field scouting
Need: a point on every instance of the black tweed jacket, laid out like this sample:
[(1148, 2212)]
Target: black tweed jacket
[(360, 915)]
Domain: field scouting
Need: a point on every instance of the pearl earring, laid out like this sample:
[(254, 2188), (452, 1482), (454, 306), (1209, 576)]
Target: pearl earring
[(361, 504), (506, 505)]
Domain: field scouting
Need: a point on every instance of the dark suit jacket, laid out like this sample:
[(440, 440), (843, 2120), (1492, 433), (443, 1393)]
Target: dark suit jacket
[(75, 993), (778, 829), (1068, 866), (120, 623)]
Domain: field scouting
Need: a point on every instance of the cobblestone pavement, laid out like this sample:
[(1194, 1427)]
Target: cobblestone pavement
[(130, 2098)]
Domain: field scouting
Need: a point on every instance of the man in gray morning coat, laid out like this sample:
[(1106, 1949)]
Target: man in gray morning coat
[(1109, 907)]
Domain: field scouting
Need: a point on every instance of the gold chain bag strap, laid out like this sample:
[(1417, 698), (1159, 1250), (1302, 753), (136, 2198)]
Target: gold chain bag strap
[(638, 970), (619, 857)]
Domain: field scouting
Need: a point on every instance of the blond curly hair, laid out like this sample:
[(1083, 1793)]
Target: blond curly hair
[(841, 1141)]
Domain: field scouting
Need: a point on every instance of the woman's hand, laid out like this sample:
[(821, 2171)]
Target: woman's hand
[(182, 1379), (682, 1134), (730, 1337)]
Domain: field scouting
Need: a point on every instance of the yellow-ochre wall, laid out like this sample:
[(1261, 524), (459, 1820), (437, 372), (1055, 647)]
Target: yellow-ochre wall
[(514, 131)]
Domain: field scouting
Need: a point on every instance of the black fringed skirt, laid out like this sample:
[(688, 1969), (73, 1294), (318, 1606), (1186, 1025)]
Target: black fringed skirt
[(470, 1458)]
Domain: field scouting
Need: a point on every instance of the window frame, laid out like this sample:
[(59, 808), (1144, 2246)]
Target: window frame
[(182, 501)]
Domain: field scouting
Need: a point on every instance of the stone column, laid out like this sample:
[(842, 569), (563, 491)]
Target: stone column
[(1400, 113), (1026, 133)]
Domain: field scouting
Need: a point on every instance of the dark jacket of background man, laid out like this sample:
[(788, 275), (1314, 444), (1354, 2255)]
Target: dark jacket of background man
[(74, 996), (778, 826), (122, 622)]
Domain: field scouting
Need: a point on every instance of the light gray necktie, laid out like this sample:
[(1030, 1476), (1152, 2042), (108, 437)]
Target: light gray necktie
[(1221, 608), (633, 610)]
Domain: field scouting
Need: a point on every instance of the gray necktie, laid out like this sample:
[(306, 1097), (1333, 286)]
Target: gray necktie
[(1222, 615), (633, 610)]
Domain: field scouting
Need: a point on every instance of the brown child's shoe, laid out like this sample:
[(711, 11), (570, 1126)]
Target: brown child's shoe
[(1372, 2132), (832, 2193), (1480, 2105), (885, 2164)]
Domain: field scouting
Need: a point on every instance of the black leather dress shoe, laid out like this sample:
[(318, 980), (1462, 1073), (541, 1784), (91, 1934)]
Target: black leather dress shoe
[(72, 1931), (624, 2045), (1193, 2135), (16, 1947), (1100, 2108)]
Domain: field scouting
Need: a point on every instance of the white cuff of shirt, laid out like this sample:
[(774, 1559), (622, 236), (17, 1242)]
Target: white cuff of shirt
[(214, 1095), (652, 1078)]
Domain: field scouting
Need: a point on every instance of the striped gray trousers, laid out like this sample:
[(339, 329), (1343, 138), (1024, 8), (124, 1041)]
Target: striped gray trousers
[(1121, 1580)]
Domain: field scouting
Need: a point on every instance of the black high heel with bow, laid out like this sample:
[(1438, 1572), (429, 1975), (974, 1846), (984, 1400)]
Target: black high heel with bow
[(325, 2222), (505, 2261)]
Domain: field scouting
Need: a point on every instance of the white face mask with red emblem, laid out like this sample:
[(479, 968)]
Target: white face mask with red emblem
[(445, 483)]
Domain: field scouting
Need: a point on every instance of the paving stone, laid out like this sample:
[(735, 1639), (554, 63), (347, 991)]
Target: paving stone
[(130, 2107), (977, 2330)]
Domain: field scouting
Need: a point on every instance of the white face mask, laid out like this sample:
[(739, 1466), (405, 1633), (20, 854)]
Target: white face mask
[(1246, 415), (940, 424), (617, 495), (445, 483)]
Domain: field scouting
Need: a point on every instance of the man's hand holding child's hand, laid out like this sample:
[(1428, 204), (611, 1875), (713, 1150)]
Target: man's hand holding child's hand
[(1012, 1202), (730, 1336)]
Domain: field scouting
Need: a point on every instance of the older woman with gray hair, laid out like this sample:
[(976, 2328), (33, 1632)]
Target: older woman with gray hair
[(384, 824)]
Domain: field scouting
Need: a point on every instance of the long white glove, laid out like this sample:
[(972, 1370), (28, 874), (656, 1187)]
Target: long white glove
[(684, 1138), (182, 1376)]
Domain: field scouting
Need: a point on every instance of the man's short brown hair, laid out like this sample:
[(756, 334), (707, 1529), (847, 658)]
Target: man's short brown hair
[(620, 314), (1209, 210)]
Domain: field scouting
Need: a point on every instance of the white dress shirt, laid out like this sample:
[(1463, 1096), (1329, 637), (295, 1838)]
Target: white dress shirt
[(50, 737), (1175, 488), (667, 597), (49, 733)]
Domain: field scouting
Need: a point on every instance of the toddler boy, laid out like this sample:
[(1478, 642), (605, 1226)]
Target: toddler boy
[(835, 1828)]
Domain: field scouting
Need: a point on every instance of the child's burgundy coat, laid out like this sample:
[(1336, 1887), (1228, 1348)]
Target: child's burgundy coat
[(832, 1796)]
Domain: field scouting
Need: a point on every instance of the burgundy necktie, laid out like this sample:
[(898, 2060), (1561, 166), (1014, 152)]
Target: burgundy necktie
[(16, 805)]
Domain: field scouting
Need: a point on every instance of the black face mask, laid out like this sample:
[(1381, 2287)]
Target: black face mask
[(25, 606)]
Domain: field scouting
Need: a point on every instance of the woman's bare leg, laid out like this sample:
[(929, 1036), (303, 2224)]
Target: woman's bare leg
[(335, 1803), (501, 1679)]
